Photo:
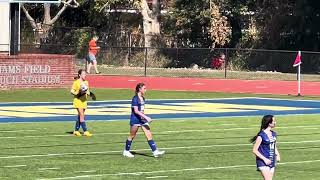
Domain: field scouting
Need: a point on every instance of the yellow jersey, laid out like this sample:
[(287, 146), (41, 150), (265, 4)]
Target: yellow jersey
[(80, 102)]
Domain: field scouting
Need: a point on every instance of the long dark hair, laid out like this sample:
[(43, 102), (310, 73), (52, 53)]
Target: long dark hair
[(266, 120), (79, 74), (139, 85)]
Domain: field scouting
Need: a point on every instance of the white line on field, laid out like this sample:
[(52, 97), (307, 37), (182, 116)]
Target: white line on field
[(163, 132), (43, 169), (156, 177), (228, 124), (173, 170), (90, 171), (178, 121), (14, 166), (167, 148), (128, 100), (22, 130), (311, 128), (196, 99)]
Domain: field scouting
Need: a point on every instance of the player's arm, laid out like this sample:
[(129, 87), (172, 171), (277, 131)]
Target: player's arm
[(94, 48), (277, 154), (257, 153), (136, 111), (75, 89)]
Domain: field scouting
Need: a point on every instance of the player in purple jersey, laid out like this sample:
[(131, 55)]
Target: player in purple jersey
[(139, 119), (265, 147)]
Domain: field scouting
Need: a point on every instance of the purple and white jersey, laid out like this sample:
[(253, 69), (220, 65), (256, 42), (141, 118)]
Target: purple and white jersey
[(267, 148), (135, 118)]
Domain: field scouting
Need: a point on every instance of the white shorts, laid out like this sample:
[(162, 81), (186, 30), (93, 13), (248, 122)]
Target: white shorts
[(266, 168), (91, 57)]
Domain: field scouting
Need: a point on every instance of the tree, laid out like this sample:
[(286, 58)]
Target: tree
[(151, 24), (42, 29), (220, 29), (148, 9)]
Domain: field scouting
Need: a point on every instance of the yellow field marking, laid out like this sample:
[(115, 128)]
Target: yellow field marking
[(121, 109), (35, 111), (212, 107)]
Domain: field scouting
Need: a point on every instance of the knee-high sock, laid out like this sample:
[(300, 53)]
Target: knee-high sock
[(84, 126), (128, 145), (152, 145), (77, 126)]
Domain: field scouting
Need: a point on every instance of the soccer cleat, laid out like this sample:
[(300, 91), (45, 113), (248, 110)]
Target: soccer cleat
[(87, 133), (127, 154), (158, 153), (76, 133)]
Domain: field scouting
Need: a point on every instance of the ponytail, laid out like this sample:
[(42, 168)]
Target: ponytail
[(266, 120)]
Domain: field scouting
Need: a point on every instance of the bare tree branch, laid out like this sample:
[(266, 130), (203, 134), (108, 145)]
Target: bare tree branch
[(31, 20), (65, 5), (68, 3), (104, 6)]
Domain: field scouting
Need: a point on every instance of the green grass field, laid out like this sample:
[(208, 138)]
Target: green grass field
[(207, 148)]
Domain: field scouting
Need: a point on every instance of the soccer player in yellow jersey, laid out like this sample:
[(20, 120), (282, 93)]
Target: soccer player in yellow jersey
[(80, 91)]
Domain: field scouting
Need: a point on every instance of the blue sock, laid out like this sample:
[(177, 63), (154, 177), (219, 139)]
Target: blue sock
[(77, 126), (83, 125), (128, 145), (152, 145)]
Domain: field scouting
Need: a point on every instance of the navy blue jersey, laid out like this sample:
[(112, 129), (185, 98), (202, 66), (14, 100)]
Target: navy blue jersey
[(135, 118), (267, 148)]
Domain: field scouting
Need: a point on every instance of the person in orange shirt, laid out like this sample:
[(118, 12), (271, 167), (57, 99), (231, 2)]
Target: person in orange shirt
[(92, 60)]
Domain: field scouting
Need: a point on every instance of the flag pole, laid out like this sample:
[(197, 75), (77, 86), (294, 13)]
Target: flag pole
[(297, 62), (299, 80)]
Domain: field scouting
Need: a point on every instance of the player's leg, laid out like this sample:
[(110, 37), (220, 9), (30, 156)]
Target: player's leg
[(132, 135), (83, 123), (77, 127), (152, 144), (94, 62), (272, 172), (91, 59), (266, 172), (86, 63)]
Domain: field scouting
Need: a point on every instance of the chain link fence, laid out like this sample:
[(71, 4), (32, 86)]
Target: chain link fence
[(197, 62), (124, 54), (192, 62)]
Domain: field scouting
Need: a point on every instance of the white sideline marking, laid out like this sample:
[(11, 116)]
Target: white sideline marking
[(162, 132), (178, 121), (25, 130), (174, 170), (43, 169), (132, 80), (167, 148), (156, 177), (129, 100), (311, 128), (91, 171), (14, 166), (228, 124)]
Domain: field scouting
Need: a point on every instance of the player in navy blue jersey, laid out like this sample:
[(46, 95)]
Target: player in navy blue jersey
[(265, 147), (139, 120)]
